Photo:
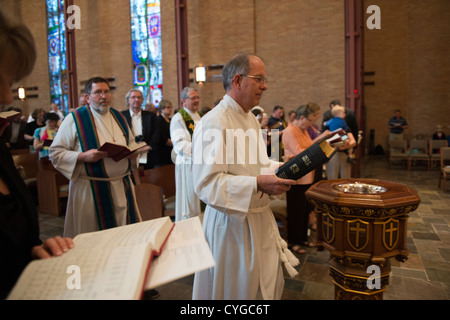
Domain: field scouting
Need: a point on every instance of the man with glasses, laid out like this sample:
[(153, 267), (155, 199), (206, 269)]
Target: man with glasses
[(101, 193), (238, 223), (187, 204), (144, 126)]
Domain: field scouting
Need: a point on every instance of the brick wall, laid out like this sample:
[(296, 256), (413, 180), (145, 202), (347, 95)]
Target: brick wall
[(301, 41), (410, 58)]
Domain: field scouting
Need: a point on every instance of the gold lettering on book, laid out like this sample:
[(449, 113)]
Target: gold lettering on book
[(307, 160)]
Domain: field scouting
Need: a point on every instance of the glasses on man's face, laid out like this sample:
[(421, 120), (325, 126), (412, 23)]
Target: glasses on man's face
[(101, 92), (194, 98), (259, 79)]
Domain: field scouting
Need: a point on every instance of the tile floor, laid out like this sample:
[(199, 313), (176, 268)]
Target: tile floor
[(424, 276)]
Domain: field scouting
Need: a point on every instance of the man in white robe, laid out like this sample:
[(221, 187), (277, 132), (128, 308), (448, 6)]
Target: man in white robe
[(234, 177), (187, 203), (68, 157)]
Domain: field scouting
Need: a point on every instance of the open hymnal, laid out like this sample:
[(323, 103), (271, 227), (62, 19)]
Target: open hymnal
[(117, 263), (118, 151), (337, 138), (8, 116)]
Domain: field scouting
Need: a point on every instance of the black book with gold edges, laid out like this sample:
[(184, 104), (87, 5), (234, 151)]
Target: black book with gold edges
[(306, 161)]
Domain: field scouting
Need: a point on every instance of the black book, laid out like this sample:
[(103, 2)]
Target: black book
[(305, 162)]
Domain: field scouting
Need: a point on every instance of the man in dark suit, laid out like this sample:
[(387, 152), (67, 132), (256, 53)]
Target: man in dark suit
[(144, 126)]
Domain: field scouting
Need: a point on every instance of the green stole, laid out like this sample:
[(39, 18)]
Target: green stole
[(190, 124), (104, 207)]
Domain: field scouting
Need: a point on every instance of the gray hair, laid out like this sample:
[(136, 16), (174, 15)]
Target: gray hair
[(304, 110), (127, 96), (163, 104), (239, 64), (185, 93)]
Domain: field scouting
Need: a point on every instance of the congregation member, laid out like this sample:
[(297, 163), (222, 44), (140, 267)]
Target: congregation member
[(19, 224), (38, 121), (187, 203), (296, 139), (165, 145), (101, 191), (144, 126), (54, 108), (350, 117), (238, 223), (14, 135), (45, 133), (397, 125)]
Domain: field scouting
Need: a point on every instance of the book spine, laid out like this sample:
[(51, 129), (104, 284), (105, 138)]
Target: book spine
[(303, 163)]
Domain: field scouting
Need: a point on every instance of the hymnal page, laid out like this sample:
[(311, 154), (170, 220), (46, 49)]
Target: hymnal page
[(109, 264), (185, 253), (8, 116)]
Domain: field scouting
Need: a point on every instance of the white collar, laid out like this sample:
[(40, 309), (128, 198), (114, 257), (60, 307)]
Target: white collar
[(132, 114)]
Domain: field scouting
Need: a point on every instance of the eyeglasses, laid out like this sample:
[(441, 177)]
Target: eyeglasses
[(259, 79), (194, 98), (100, 92)]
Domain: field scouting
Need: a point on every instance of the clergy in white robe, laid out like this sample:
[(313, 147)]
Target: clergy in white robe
[(187, 203), (234, 177), (68, 157)]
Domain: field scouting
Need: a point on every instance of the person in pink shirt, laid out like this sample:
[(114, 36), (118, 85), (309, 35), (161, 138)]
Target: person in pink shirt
[(295, 140)]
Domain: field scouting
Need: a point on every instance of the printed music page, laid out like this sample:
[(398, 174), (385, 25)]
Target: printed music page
[(108, 264), (185, 253)]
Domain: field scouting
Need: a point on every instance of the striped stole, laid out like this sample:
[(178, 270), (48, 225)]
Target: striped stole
[(101, 192)]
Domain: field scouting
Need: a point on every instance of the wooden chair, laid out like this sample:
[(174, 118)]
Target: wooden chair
[(434, 151), (445, 167), (163, 177), (149, 198), (418, 151), (279, 209), (53, 188), (20, 151), (26, 163), (397, 151)]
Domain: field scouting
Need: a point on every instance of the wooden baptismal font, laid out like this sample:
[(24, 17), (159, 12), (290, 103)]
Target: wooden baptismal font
[(363, 223)]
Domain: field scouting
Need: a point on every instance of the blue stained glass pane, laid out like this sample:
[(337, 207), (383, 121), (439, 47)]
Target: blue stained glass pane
[(154, 26), (57, 52), (146, 48), (154, 46)]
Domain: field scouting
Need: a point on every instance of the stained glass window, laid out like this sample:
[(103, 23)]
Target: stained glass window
[(57, 53), (146, 48)]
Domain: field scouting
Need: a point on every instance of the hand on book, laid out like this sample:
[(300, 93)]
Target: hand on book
[(92, 156), (52, 247), (273, 185)]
